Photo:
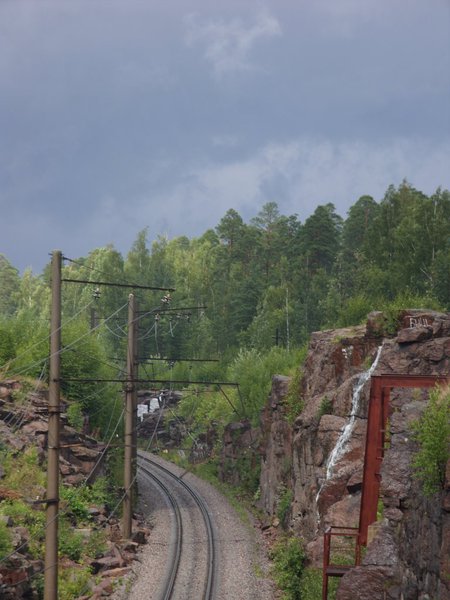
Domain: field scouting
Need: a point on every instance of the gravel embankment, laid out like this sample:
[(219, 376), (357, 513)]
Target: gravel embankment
[(242, 566)]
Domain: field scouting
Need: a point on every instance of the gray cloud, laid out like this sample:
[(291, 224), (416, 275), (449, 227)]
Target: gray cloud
[(228, 44), (117, 115)]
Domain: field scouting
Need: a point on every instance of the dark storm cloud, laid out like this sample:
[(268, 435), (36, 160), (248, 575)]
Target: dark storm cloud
[(116, 115)]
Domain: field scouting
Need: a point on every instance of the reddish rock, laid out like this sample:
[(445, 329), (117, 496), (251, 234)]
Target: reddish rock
[(107, 563), (416, 319), (376, 324), (241, 442), (104, 588), (140, 536), (344, 512), (115, 573), (405, 558), (416, 334), (75, 480), (35, 428), (5, 393), (354, 484), (277, 436), (371, 583)]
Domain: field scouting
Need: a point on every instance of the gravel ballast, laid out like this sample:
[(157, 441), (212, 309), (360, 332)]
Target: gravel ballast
[(241, 567)]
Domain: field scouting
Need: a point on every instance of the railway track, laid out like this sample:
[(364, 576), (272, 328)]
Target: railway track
[(192, 549)]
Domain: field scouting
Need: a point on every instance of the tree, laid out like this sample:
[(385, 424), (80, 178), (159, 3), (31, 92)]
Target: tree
[(9, 287), (137, 264), (351, 258), (278, 241), (321, 238)]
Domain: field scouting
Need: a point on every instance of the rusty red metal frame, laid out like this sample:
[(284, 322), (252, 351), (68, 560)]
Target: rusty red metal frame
[(337, 570), (380, 393)]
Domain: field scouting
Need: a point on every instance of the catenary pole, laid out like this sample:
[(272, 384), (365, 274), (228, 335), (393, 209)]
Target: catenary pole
[(135, 397), (129, 413), (52, 499)]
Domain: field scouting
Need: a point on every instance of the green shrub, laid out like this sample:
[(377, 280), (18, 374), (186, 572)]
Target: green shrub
[(70, 542), (75, 415), (326, 407), (76, 501), (254, 371), (293, 400), (31, 517), (23, 472), (96, 544), (432, 432), (289, 561), (311, 585), (392, 309), (73, 583), (284, 505), (5, 540), (7, 349), (354, 311)]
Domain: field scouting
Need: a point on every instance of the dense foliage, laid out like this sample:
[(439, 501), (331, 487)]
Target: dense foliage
[(23, 477), (243, 290), (432, 432), (247, 297)]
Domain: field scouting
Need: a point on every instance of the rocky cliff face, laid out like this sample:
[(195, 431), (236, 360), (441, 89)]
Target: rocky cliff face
[(321, 456), (23, 424)]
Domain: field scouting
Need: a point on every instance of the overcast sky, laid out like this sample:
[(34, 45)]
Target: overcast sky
[(116, 115)]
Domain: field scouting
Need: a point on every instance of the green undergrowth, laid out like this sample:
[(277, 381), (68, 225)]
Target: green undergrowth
[(311, 585), (284, 505), (432, 433), (24, 481), (289, 557), (293, 400), (296, 580)]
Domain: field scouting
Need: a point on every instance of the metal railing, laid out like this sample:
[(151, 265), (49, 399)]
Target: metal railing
[(348, 549)]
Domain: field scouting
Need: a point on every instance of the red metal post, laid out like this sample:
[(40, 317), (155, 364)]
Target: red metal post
[(379, 400), (371, 484), (376, 425), (326, 562)]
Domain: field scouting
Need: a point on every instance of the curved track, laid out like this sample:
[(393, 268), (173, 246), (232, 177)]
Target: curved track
[(156, 472)]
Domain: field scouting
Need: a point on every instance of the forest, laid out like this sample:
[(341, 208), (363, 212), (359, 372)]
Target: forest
[(247, 296)]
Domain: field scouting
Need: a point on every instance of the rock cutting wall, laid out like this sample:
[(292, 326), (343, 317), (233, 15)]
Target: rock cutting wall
[(407, 558)]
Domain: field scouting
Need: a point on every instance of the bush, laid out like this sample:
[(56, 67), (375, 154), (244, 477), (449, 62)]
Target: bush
[(71, 542), (23, 472), (326, 407), (5, 540), (96, 545), (7, 350), (432, 432), (75, 415), (33, 518), (73, 582), (78, 500), (254, 371), (294, 401), (311, 585), (289, 561), (284, 505)]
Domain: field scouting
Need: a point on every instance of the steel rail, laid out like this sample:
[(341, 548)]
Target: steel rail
[(178, 534), (208, 593)]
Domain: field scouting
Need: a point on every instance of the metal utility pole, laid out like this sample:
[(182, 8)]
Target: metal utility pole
[(129, 424), (135, 397), (52, 500)]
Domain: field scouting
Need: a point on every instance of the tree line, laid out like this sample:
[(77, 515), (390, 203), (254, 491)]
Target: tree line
[(250, 286)]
